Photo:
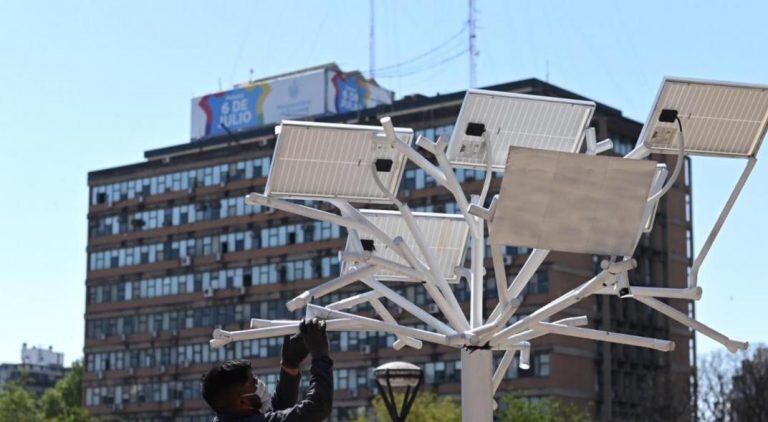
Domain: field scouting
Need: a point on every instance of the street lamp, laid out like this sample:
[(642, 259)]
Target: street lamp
[(398, 375)]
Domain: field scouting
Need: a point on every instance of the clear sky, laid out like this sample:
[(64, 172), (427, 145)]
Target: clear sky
[(88, 85)]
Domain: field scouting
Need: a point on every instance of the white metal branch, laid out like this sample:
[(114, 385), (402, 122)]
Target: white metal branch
[(355, 300), (375, 325), (599, 335), (363, 271), (694, 277), (732, 345), (402, 340), (532, 264), (605, 277)]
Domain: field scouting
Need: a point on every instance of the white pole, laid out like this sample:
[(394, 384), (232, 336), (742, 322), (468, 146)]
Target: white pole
[(478, 273), (476, 386)]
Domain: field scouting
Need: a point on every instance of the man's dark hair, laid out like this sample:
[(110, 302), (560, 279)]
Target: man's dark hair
[(222, 381)]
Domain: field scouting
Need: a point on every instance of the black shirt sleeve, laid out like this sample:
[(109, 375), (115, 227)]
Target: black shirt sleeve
[(287, 391), (318, 402)]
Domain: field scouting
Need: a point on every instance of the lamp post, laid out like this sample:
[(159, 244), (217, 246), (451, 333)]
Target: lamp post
[(396, 375)]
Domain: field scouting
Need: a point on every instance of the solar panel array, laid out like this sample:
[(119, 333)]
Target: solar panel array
[(572, 202), (446, 234), (518, 120), (333, 161), (717, 118)]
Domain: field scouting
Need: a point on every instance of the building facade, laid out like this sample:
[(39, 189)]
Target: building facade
[(39, 369), (173, 252)]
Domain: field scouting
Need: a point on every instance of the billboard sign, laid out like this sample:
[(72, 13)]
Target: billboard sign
[(318, 92)]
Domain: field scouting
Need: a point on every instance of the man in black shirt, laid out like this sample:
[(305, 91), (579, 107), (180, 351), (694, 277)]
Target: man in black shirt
[(236, 395)]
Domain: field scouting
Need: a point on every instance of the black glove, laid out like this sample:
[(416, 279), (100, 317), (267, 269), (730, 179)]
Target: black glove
[(313, 333), (294, 351)]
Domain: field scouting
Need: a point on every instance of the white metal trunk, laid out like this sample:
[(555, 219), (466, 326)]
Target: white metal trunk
[(476, 386)]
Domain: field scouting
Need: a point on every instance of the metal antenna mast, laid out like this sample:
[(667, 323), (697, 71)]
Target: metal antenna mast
[(372, 42), (472, 47)]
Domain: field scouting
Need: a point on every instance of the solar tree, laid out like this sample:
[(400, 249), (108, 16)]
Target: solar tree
[(557, 194)]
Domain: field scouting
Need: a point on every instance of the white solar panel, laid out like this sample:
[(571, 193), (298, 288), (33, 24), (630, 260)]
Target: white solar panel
[(515, 120), (446, 234), (718, 118), (572, 202), (333, 161)]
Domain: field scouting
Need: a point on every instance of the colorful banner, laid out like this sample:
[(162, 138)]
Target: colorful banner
[(319, 92)]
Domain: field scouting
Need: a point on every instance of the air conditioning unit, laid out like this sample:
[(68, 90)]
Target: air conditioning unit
[(186, 261), (162, 369), (102, 336), (123, 337), (100, 375), (352, 393), (241, 291), (262, 142), (270, 210), (154, 333), (186, 364), (177, 404), (396, 311), (365, 349), (432, 308), (508, 259), (117, 406), (219, 256), (141, 199), (131, 371), (175, 333), (208, 292)]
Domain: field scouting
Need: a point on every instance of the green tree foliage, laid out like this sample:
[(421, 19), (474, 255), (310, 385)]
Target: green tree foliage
[(17, 404), (428, 407), (61, 403), (513, 408)]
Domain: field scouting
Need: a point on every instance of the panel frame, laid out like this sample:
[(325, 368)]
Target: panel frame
[(657, 107), (452, 278), (380, 197), (460, 123)]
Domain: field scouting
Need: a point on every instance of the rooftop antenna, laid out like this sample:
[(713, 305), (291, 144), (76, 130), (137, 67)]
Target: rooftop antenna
[(472, 47), (372, 42), (250, 76)]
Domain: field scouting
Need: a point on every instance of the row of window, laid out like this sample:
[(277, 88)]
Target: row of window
[(184, 319), (102, 328), (236, 206), (180, 180), (197, 353), (303, 269), (344, 379), (209, 245), (173, 216), (147, 392)]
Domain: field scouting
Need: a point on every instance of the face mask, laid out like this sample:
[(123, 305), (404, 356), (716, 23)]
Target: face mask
[(261, 399)]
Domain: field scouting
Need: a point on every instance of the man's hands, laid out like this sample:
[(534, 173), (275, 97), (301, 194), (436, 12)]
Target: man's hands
[(310, 339), (313, 333), (294, 352)]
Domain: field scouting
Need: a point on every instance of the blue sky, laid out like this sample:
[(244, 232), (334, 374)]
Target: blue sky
[(88, 85)]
